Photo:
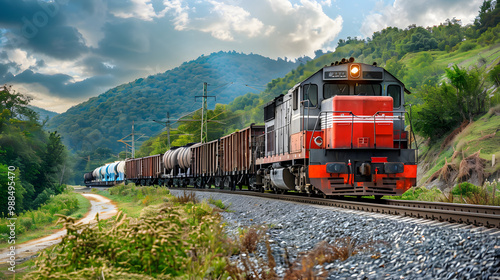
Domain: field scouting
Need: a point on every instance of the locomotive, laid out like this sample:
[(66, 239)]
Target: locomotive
[(340, 131)]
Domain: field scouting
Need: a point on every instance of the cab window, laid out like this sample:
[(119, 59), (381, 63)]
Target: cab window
[(368, 89), (295, 98), (330, 90), (395, 92), (310, 92)]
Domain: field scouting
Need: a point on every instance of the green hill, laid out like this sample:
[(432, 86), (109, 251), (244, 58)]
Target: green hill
[(42, 113), (102, 120)]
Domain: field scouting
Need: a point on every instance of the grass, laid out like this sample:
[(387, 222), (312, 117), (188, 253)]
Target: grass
[(419, 193), (41, 222), (488, 194), (22, 270), (218, 203), (132, 199)]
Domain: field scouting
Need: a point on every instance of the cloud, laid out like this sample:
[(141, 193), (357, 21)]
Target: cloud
[(140, 9), (41, 27), (271, 27), (76, 49), (403, 13)]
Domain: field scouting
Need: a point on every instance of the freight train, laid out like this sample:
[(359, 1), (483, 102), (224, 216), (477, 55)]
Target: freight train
[(339, 132)]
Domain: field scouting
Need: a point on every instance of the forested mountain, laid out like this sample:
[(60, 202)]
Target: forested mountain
[(43, 114), (102, 120)]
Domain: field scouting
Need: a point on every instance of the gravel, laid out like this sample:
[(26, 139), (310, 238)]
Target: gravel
[(401, 250)]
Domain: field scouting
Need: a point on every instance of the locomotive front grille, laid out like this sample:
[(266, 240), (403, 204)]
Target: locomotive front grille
[(388, 187)]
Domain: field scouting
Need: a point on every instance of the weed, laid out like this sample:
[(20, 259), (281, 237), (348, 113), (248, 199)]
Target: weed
[(306, 265), (251, 267), (465, 189), (218, 203), (249, 238), (186, 197), (65, 203), (469, 165)]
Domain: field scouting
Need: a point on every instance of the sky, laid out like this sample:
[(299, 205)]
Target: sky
[(62, 52)]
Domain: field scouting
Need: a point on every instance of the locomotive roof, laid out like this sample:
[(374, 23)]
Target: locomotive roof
[(345, 65)]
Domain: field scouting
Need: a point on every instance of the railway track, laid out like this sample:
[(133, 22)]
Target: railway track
[(477, 215)]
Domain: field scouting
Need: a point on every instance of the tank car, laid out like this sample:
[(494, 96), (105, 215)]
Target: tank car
[(341, 131), (106, 175)]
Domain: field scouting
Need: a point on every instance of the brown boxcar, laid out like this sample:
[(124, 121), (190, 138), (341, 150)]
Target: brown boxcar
[(206, 159), (132, 168), (146, 168), (238, 150)]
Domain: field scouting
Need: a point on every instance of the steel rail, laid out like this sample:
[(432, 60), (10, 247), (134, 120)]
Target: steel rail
[(477, 215)]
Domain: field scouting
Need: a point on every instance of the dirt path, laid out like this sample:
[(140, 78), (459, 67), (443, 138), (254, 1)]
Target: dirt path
[(99, 204)]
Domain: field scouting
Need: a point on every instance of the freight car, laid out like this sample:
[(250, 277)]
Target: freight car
[(341, 131), (106, 175)]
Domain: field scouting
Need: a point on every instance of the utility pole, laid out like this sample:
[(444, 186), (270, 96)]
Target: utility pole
[(204, 111), (132, 145), (168, 129), (133, 141), (167, 125)]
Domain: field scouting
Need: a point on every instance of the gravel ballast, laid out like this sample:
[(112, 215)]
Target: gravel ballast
[(401, 250)]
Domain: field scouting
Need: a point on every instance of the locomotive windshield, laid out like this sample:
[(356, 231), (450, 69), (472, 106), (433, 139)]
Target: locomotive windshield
[(368, 89), (330, 90)]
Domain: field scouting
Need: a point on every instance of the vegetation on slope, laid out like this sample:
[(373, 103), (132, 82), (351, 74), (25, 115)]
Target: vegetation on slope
[(32, 162)]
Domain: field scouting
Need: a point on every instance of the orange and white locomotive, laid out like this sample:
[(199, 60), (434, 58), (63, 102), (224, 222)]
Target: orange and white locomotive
[(339, 132)]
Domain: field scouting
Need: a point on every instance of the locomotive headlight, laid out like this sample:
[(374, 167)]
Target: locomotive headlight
[(355, 70)]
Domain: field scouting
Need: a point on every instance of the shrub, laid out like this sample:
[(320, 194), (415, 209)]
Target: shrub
[(465, 189), (186, 197), (27, 223), (467, 46)]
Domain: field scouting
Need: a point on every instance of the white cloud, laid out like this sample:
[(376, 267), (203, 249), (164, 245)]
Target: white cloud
[(141, 9), (21, 59), (272, 27), (180, 11), (225, 21), (422, 13), (133, 38)]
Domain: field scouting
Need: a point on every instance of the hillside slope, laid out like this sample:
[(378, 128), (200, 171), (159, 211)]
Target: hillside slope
[(470, 153), (42, 113), (102, 120)]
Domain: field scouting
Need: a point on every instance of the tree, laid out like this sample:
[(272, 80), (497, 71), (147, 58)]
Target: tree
[(32, 152), (489, 16), (494, 75), (470, 91), (448, 104), (437, 115)]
